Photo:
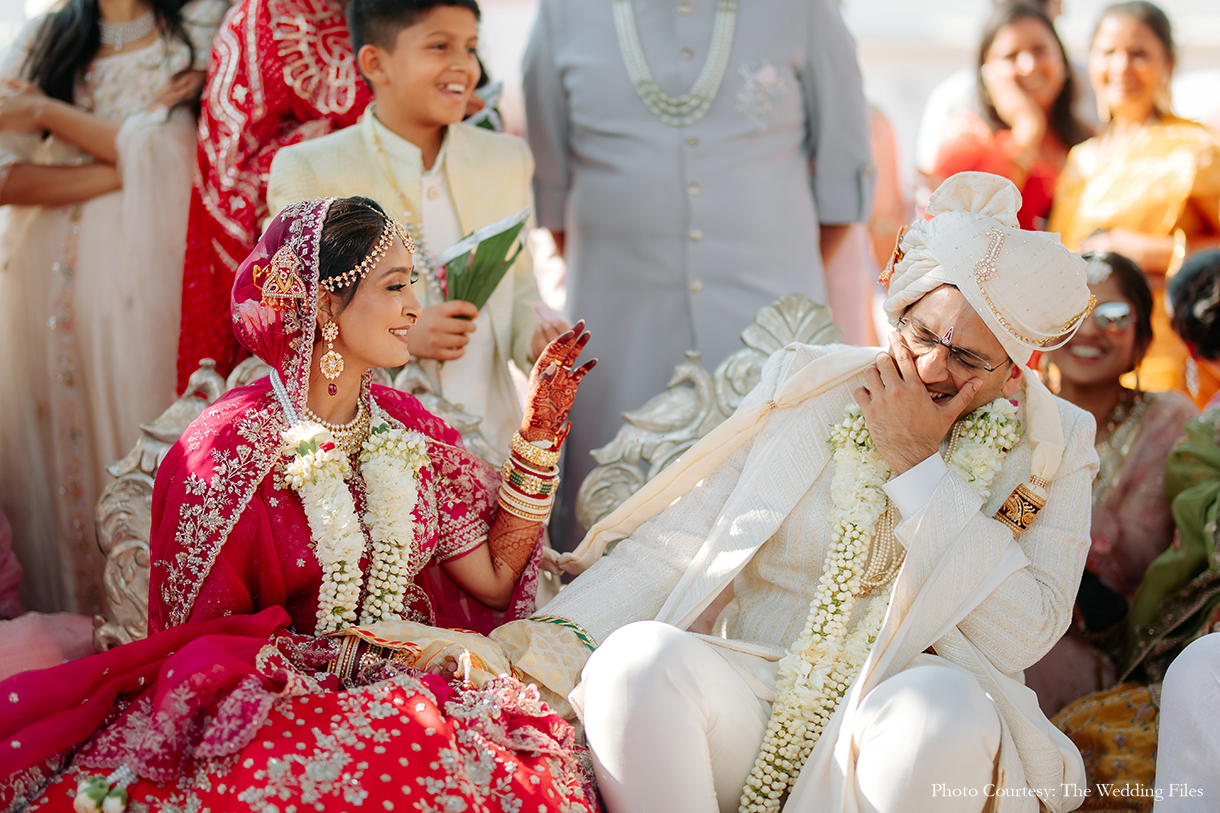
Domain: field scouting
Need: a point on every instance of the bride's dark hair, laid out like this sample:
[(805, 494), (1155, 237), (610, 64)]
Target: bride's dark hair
[(69, 38), (351, 230)]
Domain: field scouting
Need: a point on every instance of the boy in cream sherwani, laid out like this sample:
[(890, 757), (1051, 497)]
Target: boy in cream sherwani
[(411, 153)]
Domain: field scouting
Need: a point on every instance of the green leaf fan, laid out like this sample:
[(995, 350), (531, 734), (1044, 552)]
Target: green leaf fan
[(475, 264)]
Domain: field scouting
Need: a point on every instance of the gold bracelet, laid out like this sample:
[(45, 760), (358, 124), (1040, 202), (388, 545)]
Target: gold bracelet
[(536, 514), (515, 463), (544, 472), (571, 626), (1179, 254), (531, 503), (539, 457), (524, 481), (521, 513), (530, 485), (344, 663)]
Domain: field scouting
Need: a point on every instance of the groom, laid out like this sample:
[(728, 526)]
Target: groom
[(907, 632)]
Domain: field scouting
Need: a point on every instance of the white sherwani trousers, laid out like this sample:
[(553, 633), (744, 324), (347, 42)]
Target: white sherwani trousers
[(675, 723), (1188, 750)]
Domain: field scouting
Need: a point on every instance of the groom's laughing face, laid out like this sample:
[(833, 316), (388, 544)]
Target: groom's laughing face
[(952, 345)]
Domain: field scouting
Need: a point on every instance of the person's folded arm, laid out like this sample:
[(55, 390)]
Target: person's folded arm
[(35, 185)]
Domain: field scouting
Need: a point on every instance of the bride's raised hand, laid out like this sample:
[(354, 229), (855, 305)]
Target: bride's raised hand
[(552, 388)]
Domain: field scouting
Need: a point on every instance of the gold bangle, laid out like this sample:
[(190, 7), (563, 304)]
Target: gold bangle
[(531, 503), (530, 485), (539, 457), (522, 514), (526, 482), (515, 463), (1179, 254), (543, 472), (508, 499), (344, 663), (571, 626)]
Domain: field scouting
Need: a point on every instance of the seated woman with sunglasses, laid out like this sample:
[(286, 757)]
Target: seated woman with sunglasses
[(1132, 732), (1132, 523)]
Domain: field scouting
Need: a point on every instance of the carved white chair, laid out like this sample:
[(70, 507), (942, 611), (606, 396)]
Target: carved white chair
[(652, 437), (693, 403)]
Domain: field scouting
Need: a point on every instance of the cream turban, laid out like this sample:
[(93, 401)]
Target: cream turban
[(1030, 290)]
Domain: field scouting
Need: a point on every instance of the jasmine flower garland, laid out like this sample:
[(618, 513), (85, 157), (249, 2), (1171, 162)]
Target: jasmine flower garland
[(825, 659), (392, 460), (318, 471)]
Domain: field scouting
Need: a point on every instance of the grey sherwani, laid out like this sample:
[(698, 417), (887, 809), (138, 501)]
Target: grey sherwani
[(677, 236)]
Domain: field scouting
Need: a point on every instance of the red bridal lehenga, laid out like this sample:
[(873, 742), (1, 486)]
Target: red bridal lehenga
[(282, 72), (229, 705)]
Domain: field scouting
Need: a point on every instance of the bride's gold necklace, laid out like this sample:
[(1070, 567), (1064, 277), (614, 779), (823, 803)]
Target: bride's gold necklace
[(350, 436)]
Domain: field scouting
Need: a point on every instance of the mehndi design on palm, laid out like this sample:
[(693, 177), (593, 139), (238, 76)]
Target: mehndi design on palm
[(553, 384)]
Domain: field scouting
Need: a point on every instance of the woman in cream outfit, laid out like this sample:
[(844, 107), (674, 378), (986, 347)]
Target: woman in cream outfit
[(90, 284)]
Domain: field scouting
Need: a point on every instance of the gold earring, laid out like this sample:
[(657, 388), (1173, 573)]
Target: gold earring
[(331, 362)]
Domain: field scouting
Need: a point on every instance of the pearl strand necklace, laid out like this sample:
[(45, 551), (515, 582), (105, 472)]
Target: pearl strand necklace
[(685, 110)]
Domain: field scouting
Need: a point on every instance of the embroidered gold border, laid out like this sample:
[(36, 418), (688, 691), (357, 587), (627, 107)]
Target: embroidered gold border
[(1060, 337), (1020, 509)]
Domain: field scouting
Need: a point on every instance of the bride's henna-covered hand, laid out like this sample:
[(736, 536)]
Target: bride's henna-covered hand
[(553, 384)]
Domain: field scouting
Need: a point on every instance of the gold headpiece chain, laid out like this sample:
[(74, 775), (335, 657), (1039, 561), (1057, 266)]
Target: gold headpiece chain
[(366, 265)]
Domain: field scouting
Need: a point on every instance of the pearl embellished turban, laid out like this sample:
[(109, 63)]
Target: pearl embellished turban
[(1031, 291)]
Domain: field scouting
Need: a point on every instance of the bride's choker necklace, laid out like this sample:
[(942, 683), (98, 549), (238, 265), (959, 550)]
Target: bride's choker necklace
[(116, 35), (349, 436)]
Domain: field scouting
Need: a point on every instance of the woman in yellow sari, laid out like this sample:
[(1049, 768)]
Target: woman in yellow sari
[(1148, 187)]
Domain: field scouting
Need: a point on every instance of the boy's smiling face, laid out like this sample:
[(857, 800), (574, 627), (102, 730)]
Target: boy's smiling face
[(430, 75)]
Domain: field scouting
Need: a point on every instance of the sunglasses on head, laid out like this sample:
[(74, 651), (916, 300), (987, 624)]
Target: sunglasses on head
[(1113, 317)]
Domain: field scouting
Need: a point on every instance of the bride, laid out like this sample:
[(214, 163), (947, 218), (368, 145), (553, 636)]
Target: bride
[(293, 514)]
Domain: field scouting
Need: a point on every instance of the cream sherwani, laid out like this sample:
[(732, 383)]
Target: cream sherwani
[(488, 177), (990, 604)]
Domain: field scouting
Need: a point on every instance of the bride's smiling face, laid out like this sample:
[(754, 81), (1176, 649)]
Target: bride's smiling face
[(373, 327)]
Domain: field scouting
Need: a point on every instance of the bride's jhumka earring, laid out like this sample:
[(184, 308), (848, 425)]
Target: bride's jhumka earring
[(331, 362)]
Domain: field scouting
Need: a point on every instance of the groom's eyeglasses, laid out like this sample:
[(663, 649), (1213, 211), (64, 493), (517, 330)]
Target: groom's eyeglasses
[(922, 341)]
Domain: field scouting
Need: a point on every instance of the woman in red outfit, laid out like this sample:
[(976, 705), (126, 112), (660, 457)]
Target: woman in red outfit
[(282, 71), (292, 517), (1027, 89)]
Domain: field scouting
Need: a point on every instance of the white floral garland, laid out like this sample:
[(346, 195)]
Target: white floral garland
[(822, 663), (318, 471), (392, 460)]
